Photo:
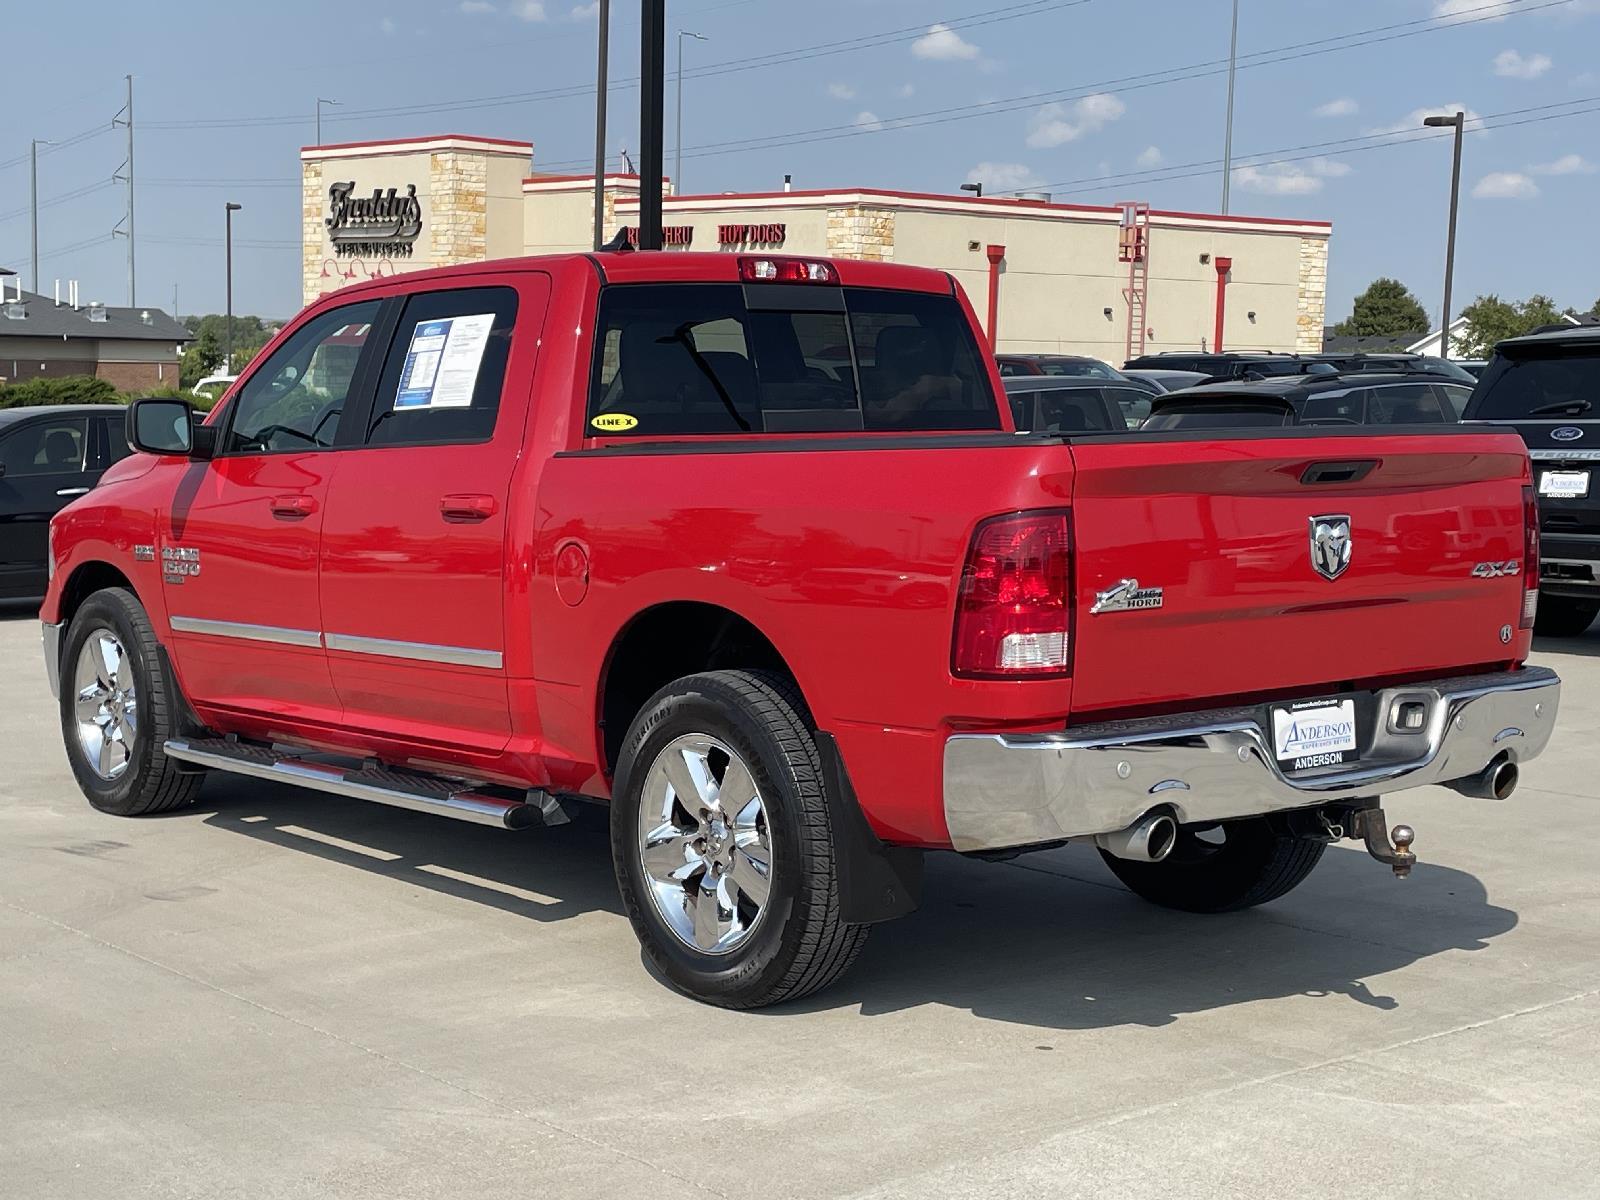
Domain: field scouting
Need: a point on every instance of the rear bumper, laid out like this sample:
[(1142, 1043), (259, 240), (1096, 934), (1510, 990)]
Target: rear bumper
[(51, 635), (1003, 791)]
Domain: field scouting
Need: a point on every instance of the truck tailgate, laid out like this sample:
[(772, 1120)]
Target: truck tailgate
[(1224, 528)]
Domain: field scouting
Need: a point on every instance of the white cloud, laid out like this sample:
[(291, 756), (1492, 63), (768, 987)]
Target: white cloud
[(1057, 124), (1505, 185), (906, 89), (1150, 156), (868, 120), (476, 6), (943, 44), (1567, 164), (1003, 177), (1412, 121), (388, 27), (841, 91), (529, 10), (582, 12), (1511, 64), (1290, 178), (1474, 8), (1344, 106)]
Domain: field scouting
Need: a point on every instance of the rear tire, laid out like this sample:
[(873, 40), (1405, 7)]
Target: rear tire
[(1564, 616), (117, 710), (734, 899), (1252, 864)]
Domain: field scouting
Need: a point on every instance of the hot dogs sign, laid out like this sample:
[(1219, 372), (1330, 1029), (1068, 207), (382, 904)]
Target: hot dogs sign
[(384, 224)]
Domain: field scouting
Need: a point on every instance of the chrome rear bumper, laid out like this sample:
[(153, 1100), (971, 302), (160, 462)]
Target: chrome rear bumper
[(1009, 790), (51, 635)]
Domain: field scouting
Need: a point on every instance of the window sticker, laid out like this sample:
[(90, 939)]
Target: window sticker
[(441, 368)]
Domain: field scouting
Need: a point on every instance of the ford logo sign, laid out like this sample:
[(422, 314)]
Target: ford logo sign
[(1567, 433)]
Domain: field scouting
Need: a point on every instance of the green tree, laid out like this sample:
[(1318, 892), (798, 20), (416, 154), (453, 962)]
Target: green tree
[(1386, 309), (1491, 319), (202, 358)]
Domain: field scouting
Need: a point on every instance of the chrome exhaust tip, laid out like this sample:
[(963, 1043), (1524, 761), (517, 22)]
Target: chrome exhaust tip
[(1495, 782), (1149, 839)]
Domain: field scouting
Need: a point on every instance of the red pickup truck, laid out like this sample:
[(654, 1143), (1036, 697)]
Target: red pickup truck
[(748, 548)]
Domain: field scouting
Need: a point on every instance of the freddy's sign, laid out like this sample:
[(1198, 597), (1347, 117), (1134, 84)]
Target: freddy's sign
[(385, 223)]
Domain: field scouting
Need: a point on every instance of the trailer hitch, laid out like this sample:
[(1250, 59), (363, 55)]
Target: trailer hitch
[(1368, 825)]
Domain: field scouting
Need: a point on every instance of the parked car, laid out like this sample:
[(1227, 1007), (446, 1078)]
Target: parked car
[(49, 456), (1077, 405), (1472, 366), (1359, 399), (1392, 363), (1055, 364), (1169, 381), (593, 528), (1546, 387), (212, 387), (1229, 365)]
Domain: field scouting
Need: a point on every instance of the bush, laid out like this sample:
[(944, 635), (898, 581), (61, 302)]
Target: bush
[(68, 389)]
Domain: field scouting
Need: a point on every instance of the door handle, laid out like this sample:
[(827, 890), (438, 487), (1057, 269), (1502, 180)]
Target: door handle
[(467, 508), (293, 506), (73, 492)]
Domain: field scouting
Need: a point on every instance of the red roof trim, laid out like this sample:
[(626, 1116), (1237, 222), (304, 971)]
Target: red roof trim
[(438, 137)]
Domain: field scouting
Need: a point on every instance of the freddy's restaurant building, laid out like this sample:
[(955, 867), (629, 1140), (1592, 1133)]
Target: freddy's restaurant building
[(1045, 277)]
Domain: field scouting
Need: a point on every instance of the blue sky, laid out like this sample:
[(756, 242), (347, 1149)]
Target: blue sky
[(916, 94)]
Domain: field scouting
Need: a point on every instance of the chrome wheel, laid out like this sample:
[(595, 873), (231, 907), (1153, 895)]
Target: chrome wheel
[(704, 844), (106, 704)]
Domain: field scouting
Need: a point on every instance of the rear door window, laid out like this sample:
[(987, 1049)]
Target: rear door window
[(53, 447), (1074, 410), (1334, 408), (1405, 404), (1132, 403), (676, 359)]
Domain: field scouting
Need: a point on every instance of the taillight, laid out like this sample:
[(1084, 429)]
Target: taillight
[(786, 270), (1014, 609), (1530, 558)]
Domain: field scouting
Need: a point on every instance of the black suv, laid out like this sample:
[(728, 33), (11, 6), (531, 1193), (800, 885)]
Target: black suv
[(1547, 385), (1359, 399)]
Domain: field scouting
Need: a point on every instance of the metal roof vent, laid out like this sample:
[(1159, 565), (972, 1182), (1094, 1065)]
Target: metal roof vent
[(1042, 197), (97, 311), (145, 317), (15, 310)]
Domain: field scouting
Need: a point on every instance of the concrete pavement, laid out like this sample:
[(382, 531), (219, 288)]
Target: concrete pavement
[(281, 994)]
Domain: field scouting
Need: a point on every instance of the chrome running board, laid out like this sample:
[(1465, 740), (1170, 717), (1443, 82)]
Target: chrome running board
[(399, 788)]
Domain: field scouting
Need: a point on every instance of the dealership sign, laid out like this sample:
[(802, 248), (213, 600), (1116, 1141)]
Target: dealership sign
[(385, 223), (752, 235)]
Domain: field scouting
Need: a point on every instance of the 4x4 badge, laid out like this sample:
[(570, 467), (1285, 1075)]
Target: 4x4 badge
[(1330, 544)]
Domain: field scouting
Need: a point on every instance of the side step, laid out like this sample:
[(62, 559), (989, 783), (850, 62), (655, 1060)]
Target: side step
[(482, 805)]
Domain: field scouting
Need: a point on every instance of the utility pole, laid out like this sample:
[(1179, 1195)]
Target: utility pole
[(1227, 142), (602, 75), (128, 179), (229, 208), (652, 69), (34, 157), (677, 165), (1459, 121)]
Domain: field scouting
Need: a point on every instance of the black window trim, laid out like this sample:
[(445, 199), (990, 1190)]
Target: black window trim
[(360, 384)]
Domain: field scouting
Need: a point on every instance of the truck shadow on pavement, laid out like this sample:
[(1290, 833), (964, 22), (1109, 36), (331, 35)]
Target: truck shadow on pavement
[(1048, 940), (1585, 645)]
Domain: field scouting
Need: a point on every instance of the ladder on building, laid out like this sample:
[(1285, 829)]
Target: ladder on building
[(1133, 248)]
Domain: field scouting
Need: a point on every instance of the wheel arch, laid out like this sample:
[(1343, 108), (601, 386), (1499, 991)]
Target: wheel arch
[(85, 580)]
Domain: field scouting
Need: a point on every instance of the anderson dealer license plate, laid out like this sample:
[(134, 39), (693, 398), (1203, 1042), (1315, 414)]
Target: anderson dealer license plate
[(1315, 733)]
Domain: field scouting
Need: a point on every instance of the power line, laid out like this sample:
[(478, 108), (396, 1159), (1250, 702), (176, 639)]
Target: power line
[(1127, 83), (86, 190), (60, 144), (58, 251)]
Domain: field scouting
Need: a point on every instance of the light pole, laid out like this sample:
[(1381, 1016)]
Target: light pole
[(230, 208), (677, 165), (602, 73), (34, 156), (975, 188), (320, 103), (1227, 139), (1459, 122)]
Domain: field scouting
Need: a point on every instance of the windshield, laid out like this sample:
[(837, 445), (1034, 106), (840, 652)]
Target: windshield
[(1551, 387)]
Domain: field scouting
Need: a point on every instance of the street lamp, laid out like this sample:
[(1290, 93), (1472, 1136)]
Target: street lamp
[(229, 209), (34, 155), (1458, 123), (677, 166), (320, 103), (975, 188), (601, 83)]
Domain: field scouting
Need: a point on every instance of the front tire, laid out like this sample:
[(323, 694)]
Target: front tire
[(722, 844), (1564, 616), (117, 710), (1235, 865)]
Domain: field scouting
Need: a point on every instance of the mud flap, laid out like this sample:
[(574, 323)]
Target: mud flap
[(876, 882)]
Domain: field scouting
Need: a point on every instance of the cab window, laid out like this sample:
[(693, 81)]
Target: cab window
[(294, 400)]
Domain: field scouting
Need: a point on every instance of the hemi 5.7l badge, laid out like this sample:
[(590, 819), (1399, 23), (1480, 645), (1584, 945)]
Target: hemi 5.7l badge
[(179, 563), (1127, 594)]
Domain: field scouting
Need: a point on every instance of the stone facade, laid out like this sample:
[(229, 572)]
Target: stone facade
[(1313, 301), (861, 232), (458, 185)]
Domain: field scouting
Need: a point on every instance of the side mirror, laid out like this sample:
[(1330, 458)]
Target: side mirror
[(161, 426)]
